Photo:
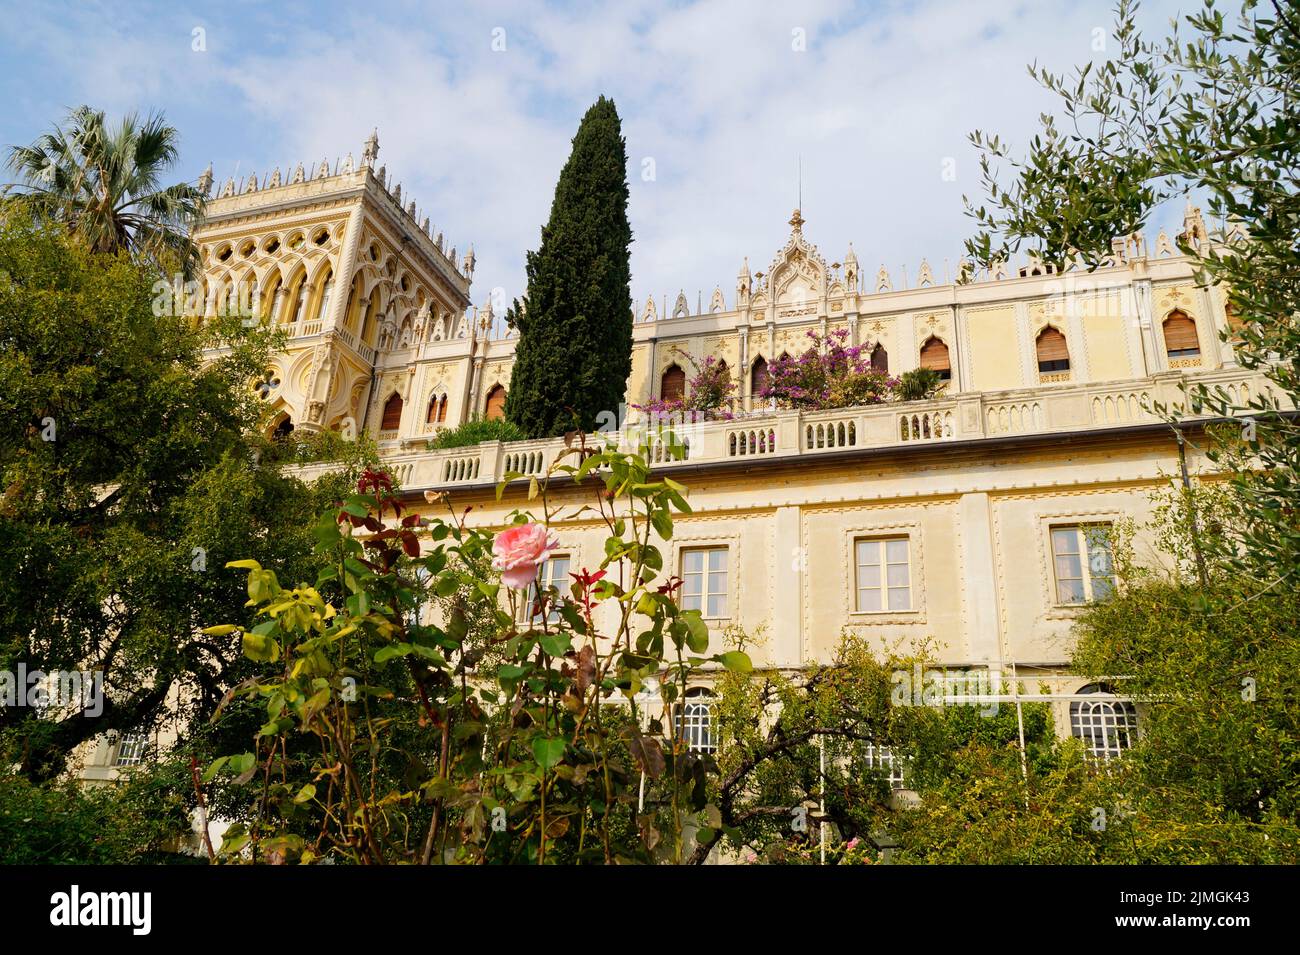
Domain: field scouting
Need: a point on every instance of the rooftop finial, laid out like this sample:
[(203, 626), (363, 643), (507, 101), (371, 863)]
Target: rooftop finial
[(205, 181), (371, 150), (796, 221)]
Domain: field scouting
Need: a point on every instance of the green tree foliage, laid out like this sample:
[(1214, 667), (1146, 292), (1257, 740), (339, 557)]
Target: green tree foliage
[(1213, 113), (575, 325), (918, 384), (128, 479), (104, 183), (140, 820)]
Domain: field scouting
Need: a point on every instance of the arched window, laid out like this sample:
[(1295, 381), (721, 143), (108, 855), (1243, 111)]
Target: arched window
[(299, 303), (758, 376), (327, 289), (371, 323), (437, 412), (934, 354), (672, 386), (392, 419), (1107, 725), (1053, 355), (1235, 322), (1180, 336), (695, 721), (495, 407), (282, 429), (272, 298), (880, 359)]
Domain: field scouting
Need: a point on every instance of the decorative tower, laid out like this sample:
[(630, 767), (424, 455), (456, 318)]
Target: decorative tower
[(352, 279)]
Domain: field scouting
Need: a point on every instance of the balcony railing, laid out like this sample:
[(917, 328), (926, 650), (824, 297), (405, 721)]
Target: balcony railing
[(791, 434)]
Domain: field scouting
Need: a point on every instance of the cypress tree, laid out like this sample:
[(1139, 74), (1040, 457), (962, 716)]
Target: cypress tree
[(574, 352)]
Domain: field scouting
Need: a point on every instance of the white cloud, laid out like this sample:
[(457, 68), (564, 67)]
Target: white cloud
[(712, 91)]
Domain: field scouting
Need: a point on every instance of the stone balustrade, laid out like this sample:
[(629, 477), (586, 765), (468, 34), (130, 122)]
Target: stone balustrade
[(790, 434)]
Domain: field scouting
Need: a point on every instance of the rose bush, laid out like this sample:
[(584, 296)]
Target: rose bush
[(414, 710)]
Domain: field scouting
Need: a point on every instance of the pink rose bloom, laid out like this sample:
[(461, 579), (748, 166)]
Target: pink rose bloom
[(518, 550)]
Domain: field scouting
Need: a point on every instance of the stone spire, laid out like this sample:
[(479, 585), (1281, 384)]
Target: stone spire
[(205, 181), (370, 152)]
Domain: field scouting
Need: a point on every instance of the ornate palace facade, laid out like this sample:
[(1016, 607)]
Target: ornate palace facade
[(975, 520)]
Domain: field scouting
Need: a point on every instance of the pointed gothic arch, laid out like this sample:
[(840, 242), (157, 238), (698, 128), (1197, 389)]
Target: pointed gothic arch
[(758, 376), (494, 408), (272, 296), (295, 301), (880, 359), (1053, 351), (436, 413), (672, 383), (281, 427), (934, 355), (392, 416), (370, 327), (1181, 340), (322, 293)]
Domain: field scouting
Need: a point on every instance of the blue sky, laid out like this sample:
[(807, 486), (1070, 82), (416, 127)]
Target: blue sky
[(476, 104)]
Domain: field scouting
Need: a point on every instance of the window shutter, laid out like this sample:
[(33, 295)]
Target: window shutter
[(880, 359), (673, 384), (934, 355), (1235, 321), (758, 377), (1051, 346), (392, 419), (1180, 334), (496, 404)]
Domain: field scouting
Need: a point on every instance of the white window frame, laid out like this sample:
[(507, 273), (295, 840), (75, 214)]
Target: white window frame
[(1107, 725), (705, 574), (547, 573), (697, 721), (881, 544), (882, 761), (131, 748), (1086, 555)]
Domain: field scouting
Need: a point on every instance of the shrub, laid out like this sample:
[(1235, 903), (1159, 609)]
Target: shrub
[(710, 394), (918, 385), (829, 374), (476, 431)]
